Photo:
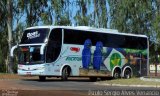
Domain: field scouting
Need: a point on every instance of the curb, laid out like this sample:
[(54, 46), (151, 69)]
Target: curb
[(150, 79), (120, 85)]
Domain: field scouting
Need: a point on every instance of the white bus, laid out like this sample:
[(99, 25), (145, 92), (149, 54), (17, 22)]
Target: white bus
[(65, 51)]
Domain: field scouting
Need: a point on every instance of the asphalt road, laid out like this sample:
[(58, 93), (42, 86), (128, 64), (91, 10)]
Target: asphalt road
[(78, 87), (73, 84)]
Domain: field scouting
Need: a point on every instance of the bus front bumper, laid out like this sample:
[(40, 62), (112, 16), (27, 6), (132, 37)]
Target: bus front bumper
[(31, 73)]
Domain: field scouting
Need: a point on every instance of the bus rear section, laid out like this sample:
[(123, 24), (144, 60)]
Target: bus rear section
[(108, 54)]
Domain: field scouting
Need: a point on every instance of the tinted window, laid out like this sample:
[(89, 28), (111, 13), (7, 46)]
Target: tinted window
[(78, 37), (115, 41), (34, 36), (29, 55), (54, 45), (136, 42), (108, 40)]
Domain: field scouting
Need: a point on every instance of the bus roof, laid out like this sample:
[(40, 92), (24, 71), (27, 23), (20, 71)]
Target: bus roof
[(86, 28)]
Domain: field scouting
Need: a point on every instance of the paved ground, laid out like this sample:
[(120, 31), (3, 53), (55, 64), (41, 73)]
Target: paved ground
[(30, 86), (14, 85), (73, 87)]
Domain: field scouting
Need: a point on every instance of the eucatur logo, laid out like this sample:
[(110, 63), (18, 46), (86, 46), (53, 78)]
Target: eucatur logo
[(33, 35), (75, 49)]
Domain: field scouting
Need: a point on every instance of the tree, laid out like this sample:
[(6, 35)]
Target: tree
[(140, 17), (155, 33), (60, 10), (100, 13), (9, 26), (81, 17), (6, 23), (132, 16), (34, 9)]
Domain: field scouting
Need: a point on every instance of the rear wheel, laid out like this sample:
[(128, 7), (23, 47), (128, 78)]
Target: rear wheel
[(117, 74), (65, 73), (127, 74), (42, 78)]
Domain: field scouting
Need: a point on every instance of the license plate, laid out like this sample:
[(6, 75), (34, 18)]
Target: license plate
[(28, 73)]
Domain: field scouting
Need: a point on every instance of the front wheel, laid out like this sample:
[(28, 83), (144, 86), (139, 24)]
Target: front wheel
[(65, 74)]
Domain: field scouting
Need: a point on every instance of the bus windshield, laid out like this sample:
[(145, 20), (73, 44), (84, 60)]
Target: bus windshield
[(30, 55), (31, 36)]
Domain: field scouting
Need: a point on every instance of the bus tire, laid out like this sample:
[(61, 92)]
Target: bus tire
[(117, 74), (93, 79), (42, 78), (127, 74), (65, 73)]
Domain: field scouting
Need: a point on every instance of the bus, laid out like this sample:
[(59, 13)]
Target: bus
[(67, 51)]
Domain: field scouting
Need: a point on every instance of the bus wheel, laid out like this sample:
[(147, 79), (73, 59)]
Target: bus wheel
[(93, 79), (65, 73), (117, 74), (42, 78), (127, 74)]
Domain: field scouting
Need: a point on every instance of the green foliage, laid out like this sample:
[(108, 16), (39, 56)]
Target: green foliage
[(61, 12), (131, 15), (140, 17), (3, 51), (81, 17), (156, 26), (100, 13), (2, 15)]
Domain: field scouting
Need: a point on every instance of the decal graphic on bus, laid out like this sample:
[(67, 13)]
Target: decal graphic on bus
[(33, 35), (75, 49)]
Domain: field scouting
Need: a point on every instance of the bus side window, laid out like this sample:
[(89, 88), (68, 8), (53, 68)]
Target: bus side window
[(54, 45)]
